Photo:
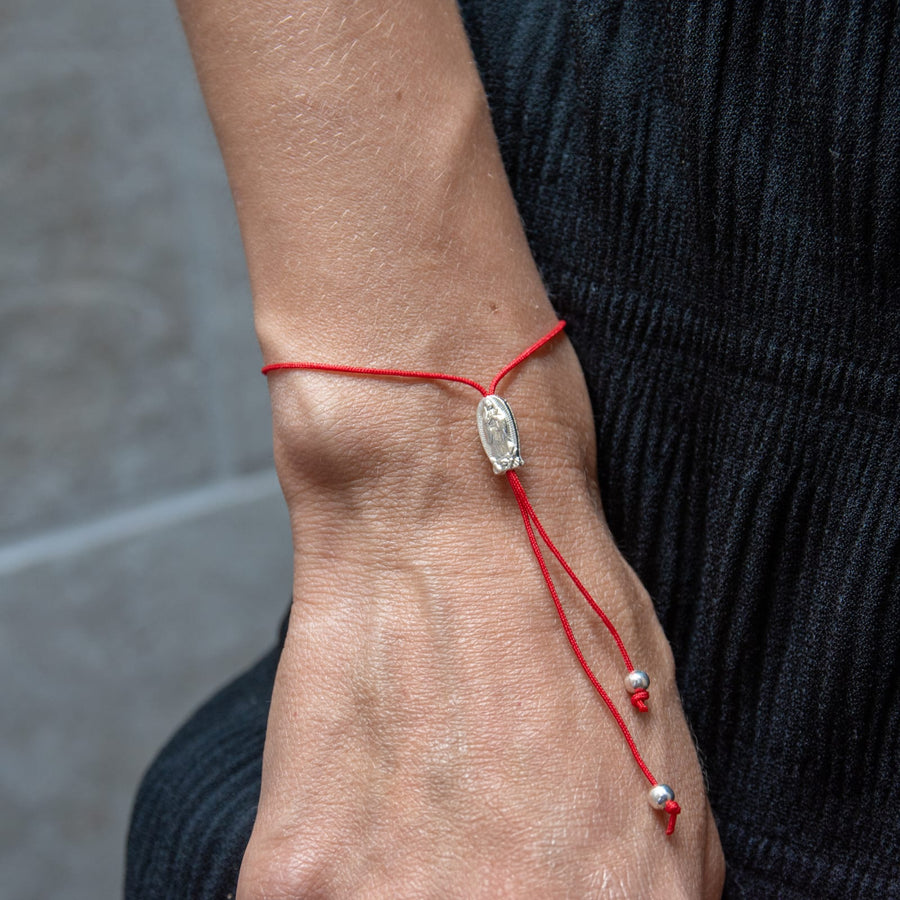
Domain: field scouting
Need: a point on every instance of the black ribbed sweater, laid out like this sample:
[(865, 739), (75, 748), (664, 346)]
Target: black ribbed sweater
[(712, 193)]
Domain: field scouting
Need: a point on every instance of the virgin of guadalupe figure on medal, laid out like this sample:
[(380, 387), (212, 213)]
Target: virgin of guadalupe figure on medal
[(499, 434)]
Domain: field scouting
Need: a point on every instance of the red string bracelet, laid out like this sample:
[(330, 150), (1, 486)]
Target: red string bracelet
[(500, 438)]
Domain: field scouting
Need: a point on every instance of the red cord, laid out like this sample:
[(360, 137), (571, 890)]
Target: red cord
[(360, 370), (429, 376), (527, 517), (638, 700), (525, 503), (532, 523), (525, 354), (673, 809)]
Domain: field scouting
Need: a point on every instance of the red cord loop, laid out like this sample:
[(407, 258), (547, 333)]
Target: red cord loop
[(533, 529), (673, 809), (639, 701)]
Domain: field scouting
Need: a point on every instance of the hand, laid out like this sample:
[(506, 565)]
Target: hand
[(431, 733)]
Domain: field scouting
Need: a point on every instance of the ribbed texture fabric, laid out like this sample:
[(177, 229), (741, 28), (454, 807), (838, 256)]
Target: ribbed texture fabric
[(712, 192), (713, 197)]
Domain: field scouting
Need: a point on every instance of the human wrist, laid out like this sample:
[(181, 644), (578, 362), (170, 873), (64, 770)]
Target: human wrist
[(408, 449)]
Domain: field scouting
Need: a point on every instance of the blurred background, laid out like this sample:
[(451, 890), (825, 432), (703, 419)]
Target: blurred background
[(144, 547)]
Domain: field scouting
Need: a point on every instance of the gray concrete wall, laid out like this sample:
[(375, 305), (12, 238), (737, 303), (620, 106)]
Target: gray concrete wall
[(144, 548)]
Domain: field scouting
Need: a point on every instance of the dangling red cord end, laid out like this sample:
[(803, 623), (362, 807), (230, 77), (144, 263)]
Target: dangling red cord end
[(673, 809), (639, 701), (662, 798)]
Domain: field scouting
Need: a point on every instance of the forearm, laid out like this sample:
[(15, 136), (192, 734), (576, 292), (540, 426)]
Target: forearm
[(376, 216)]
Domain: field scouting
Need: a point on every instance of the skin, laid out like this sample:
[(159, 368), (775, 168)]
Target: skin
[(430, 734)]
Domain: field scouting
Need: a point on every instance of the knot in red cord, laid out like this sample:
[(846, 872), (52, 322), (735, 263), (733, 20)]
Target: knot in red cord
[(673, 809), (638, 700)]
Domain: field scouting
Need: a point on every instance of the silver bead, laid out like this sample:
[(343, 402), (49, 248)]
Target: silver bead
[(637, 681), (660, 795)]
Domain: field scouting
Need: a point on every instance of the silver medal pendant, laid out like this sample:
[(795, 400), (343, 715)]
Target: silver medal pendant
[(499, 434)]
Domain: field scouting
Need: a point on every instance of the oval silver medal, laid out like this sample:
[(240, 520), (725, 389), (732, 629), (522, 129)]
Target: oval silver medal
[(499, 434)]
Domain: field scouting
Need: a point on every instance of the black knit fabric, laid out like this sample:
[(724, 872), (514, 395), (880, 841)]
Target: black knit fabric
[(713, 197)]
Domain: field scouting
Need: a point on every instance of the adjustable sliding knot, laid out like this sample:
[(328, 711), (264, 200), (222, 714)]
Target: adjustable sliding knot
[(500, 439)]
